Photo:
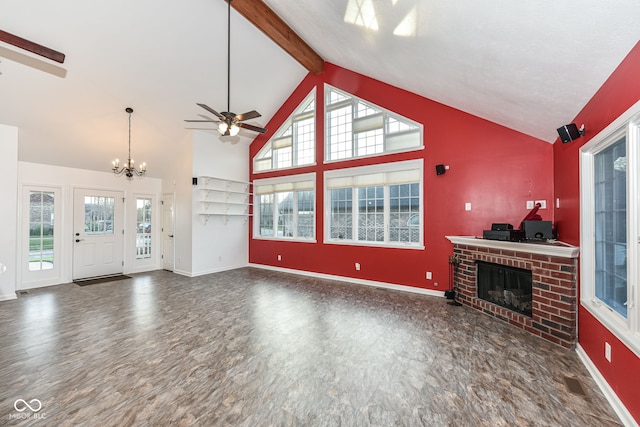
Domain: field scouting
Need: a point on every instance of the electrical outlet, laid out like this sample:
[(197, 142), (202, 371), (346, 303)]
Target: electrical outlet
[(435, 284), (428, 275), (279, 257), (543, 203), (530, 204), (607, 351), (467, 206), (357, 266)]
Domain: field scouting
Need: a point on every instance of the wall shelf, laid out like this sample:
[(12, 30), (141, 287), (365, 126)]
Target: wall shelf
[(221, 197)]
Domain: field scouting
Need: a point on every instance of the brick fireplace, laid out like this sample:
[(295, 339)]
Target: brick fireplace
[(553, 268)]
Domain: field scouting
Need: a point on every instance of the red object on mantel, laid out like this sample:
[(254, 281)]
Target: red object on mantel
[(532, 216)]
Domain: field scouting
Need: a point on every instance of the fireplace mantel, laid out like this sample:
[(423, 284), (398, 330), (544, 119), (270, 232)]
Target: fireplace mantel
[(555, 248)]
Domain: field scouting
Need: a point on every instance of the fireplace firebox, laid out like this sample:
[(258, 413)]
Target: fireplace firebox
[(509, 287)]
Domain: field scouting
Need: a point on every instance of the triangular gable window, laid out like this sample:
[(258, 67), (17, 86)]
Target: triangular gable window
[(294, 144), (357, 128)]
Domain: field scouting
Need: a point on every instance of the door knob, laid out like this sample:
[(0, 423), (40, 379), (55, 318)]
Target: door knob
[(170, 235)]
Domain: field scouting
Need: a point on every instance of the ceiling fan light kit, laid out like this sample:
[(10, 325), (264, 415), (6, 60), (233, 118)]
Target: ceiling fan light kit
[(229, 123), (129, 169)]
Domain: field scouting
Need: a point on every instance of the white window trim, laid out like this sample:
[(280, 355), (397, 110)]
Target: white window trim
[(366, 170), (327, 142), (282, 180), (627, 330)]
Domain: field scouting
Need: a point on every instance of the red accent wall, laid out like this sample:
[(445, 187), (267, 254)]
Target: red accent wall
[(494, 168), (616, 95)]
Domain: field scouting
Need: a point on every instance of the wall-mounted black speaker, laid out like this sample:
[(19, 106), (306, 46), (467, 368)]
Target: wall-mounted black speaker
[(440, 169), (569, 132)]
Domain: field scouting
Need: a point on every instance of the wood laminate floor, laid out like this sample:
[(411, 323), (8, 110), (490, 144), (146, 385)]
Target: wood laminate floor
[(250, 347)]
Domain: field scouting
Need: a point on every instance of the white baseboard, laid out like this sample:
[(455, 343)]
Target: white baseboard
[(214, 270), (217, 270), (606, 389), (373, 283), (8, 297)]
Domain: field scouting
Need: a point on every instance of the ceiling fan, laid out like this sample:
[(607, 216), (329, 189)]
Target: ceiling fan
[(229, 123), (36, 48)]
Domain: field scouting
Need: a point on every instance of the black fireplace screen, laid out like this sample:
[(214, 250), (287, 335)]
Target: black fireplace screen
[(507, 286)]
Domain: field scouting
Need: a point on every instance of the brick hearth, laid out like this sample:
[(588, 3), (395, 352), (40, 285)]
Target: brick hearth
[(554, 269)]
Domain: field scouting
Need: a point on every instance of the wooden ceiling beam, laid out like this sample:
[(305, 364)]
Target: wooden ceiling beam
[(266, 20), (36, 48)]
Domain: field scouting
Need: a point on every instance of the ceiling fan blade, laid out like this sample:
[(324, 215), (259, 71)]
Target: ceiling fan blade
[(212, 111), (251, 127), (248, 116), (36, 48), (205, 121)]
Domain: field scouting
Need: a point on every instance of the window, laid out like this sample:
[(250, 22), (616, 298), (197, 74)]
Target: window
[(356, 128), (98, 214), (41, 243), (610, 225), (285, 207), (294, 144), (143, 228), (41, 230), (375, 205)]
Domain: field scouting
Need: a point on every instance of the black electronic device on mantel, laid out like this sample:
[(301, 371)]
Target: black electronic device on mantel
[(537, 230), (504, 235)]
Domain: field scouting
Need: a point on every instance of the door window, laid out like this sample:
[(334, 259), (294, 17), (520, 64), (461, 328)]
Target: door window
[(98, 214)]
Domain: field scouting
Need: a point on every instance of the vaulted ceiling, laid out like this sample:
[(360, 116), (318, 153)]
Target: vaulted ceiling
[(528, 65)]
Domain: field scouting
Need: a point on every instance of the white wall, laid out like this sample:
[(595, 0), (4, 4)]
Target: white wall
[(68, 179), (8, 206), (177, 181), (222, 242)]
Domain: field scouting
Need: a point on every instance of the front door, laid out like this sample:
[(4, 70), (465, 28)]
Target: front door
[(168, 221), (98, 240)]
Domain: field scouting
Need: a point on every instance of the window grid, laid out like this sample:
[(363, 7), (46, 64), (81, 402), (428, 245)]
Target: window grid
[(306, 217), (371, 208), (341, 225), (404, 217), (283, 157), (370, 142), (378, 205), (265, 222), (339, 124), (291, 211), (300, 127), (369, 137), (305, 141), (611, 228), (41, 228), (99, 213), (284, 214), (143, 229)]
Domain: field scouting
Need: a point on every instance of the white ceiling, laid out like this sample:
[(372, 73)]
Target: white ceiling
[(529, 65)]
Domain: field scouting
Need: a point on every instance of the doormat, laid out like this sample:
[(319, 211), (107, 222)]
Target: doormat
[(95, 280)]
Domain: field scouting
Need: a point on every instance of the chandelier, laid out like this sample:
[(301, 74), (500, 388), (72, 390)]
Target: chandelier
[(129, 168)]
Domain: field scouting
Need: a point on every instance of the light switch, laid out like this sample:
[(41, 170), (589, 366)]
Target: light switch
[(467, 206)]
